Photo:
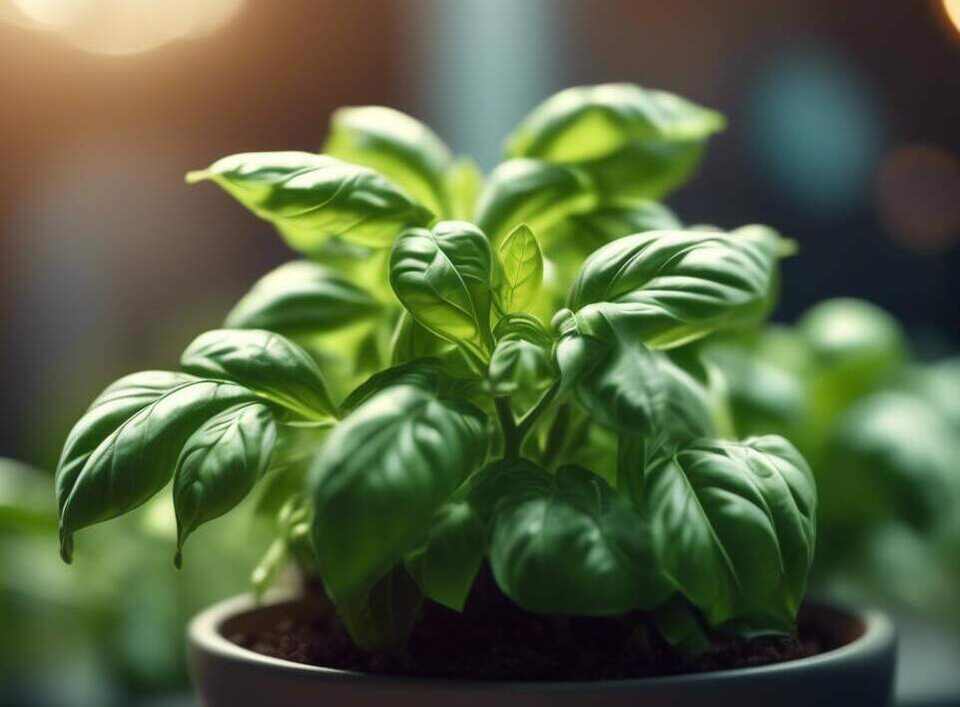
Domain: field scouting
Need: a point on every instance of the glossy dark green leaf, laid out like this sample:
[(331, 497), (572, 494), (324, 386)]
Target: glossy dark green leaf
[(591, 122), (678, 286), (125, 448), (399, 147), (464, 184), (383, 473), (733, 525), (573, 546), (219, 465), (311, 198), (424, 373), (449, 561), (303, 298), (534, 193), (521, 269), (443, 278), (274, 367)]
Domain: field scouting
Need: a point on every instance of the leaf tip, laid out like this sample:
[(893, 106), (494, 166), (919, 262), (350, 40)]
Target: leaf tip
[(66, 546), (178, 558), (197, 175)]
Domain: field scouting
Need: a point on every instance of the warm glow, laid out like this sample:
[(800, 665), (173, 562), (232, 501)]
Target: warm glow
[(127, 26), (952, 8)]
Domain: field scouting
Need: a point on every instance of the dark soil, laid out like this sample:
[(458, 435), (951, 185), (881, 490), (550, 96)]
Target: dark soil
[(494, 640)]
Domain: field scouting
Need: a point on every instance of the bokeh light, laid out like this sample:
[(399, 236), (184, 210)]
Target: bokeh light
[(952, 8), (918, 196), (121, 27)]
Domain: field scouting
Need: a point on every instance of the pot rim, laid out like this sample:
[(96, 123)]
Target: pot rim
[(204, 635)]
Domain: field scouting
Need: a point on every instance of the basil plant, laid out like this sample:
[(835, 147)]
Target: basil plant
[(464, 370)]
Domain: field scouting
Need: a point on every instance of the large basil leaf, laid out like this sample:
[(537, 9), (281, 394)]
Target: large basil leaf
[(303, 298), (521, 269), (382, 474), (399, 147), (219, 465), (589, 122), (311, 198), (534, 193), (446, 565), (573, 546), (443, 278), (125, 448), (678, 286), (733, 525), (274, 367), (890, 456)]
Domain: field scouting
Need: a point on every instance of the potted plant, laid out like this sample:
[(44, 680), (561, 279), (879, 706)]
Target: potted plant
[(482, 418)]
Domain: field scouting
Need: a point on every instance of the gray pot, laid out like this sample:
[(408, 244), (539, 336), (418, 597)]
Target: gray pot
[(859, 674)]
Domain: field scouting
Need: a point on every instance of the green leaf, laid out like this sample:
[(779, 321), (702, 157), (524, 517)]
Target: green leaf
[(521, 362), (464, 184), (891, 456), (382, 618), (125, 448), (733, 526), (274, 367), (856, 348), (534, 193), (381, 476), (634, 142), (311, 198), (302, 298), (399, 147), (573, 546), (680, 625), (443, 278), (678, 286), (590, 122), (521, 269), (424, 373), (449, 561), (219, 465), (609, 223)]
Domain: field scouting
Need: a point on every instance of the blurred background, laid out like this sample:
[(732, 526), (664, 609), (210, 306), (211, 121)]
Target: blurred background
[(843, 135)]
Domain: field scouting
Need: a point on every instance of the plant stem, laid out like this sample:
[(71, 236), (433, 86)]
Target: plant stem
[(534, 413), (508, 425)]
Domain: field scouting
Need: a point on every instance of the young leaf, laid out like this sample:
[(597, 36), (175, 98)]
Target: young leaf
[(573, 546), (590, 122), (311, 198), (267, 363), (521, 269), (219, 465), (534, 193), (733, 526), (124, 449), (635, 142), (382, 617), (381, 476), (302, 298), (521, 362), (678, 286), (442, 277), (399, 147), (449, 561), (464, 184)]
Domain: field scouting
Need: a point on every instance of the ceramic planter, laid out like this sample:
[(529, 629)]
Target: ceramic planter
[(859, 674)]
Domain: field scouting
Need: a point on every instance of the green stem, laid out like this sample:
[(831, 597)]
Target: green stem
[(508, 425), (534, 413)]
